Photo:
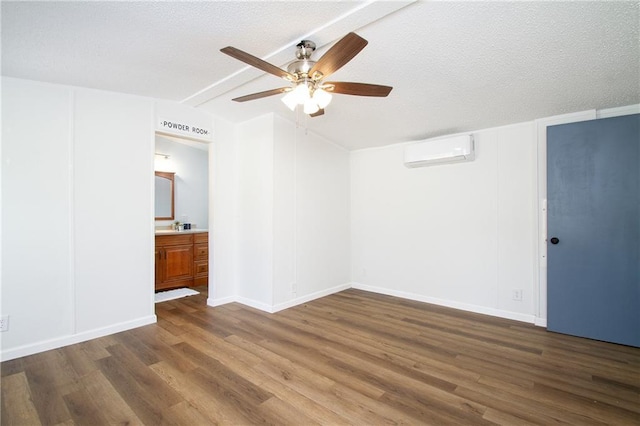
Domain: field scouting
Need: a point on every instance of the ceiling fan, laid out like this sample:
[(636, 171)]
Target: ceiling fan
[(307, 77)]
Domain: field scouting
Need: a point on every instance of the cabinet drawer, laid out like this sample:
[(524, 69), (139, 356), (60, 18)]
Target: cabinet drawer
[(173, 240), (201, 251), (201, 237), (201, 267)]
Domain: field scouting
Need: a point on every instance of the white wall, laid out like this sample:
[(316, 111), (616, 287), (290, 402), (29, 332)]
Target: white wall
[(113, 202), (284, 205), (223, 193), (461, 234), (323, 210), (311, 223), (37, 268), (255, 212), (191, 167)]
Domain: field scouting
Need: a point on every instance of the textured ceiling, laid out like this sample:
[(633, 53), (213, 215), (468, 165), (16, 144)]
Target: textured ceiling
[(455, 66)]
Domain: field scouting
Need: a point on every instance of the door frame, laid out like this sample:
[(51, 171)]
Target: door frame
[(189, 141), (540, 203)]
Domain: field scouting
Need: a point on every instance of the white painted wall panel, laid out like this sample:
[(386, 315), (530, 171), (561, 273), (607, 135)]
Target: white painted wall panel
[(284, 215), (323, 240), (255, 212), (36, 234), (516, 217), (113, 210), (222, 213)]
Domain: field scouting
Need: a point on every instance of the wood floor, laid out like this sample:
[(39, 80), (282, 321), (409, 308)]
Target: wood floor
[(350, 358)]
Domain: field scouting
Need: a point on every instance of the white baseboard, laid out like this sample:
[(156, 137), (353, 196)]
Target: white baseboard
[(312, 296), (46, 345), (448, 303), (220, 301), (517, 316), (255, 304), (540, 322), (280, 306)]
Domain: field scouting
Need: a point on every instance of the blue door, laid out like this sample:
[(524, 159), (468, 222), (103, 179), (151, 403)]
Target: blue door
[(593, 237)]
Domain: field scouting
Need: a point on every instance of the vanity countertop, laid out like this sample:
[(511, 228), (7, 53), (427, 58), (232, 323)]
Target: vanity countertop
[(174, 232)]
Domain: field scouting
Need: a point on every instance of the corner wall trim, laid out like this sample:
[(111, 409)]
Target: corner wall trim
[(59, 342)]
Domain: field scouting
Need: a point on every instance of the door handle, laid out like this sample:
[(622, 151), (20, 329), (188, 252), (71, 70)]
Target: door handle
[(554, 240)]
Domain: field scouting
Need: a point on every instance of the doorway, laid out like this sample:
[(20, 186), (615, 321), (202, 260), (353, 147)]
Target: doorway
[(181, 240)]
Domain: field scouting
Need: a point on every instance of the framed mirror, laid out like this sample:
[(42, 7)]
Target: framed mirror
[(165, 199)]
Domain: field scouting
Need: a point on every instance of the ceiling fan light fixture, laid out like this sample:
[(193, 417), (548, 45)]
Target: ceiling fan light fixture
[(310, 106), (301, 93), (298, 96), (290, 100), (322, 98)]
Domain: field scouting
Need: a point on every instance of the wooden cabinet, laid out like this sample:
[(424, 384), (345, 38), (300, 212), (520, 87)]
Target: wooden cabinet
[(182, 260)]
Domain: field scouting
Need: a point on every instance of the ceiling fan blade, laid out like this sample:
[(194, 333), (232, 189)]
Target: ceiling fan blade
[(264, 94), (317, 113), (358, 89), (339, 54), (257, 62)]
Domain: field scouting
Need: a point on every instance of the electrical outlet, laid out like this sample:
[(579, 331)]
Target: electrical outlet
[(4, 323), (517, 295)]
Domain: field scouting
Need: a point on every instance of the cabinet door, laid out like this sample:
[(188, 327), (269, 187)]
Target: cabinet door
[(178, 262)]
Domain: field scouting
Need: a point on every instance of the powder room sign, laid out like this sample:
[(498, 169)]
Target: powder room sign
[(184, 127), (174, 119)]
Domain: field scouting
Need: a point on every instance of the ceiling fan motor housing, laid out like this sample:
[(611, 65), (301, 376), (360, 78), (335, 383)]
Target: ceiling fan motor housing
[(300, 68)]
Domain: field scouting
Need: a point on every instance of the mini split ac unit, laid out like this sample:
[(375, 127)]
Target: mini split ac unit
[(439, 151)]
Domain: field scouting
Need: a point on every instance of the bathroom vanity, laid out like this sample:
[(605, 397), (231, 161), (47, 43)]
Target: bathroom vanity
[(182, 258)]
